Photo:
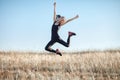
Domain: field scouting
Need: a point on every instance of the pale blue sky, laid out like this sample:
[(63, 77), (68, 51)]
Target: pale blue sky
[(26, 24)]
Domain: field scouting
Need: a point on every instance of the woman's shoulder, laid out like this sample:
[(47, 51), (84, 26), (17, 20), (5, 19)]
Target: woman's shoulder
[(56, 23)]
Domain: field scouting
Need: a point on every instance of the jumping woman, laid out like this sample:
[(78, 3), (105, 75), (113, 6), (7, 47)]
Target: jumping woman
[(58, 22)]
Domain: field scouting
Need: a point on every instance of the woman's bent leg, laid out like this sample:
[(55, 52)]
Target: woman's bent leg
[(66, 44)]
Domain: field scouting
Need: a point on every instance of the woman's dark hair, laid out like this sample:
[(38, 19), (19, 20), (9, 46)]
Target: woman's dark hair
[(58, 16)]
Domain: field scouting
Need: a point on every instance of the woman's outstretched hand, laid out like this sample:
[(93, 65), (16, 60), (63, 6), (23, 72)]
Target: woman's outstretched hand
[(77, 16), (54, 3)]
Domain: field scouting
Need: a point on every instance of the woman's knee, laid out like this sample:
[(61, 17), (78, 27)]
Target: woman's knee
[(67, 45), (46, 48)]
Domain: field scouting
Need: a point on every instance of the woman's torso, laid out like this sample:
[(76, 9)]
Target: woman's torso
[(55, 28)]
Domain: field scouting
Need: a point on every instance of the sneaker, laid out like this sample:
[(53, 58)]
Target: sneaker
[(58, 52), (71, 33)]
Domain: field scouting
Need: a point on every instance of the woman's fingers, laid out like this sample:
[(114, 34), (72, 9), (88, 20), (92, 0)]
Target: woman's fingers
[(54, 3)]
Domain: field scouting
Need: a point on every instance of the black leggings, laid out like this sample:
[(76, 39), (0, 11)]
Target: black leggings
[(66, 44)]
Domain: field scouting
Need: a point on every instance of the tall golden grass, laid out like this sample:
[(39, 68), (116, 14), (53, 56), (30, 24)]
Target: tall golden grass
[(85, 65)]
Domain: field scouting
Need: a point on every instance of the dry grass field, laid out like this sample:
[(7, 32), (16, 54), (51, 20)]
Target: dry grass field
[(84, 65)]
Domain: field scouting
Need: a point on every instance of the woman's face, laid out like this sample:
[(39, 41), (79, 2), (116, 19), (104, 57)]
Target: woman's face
[(62, 20)]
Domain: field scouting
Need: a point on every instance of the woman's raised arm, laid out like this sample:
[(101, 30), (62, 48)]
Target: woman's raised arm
[(54, 17), (71, 19)]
